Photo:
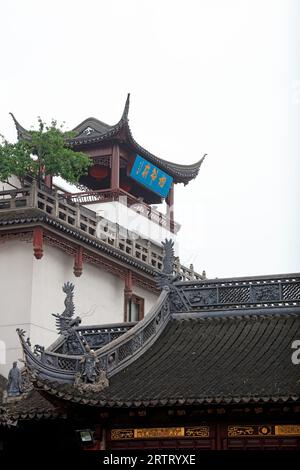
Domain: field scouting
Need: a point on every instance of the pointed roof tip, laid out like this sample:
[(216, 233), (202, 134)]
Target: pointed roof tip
[(126, 109), (21, 131), (202, 159), (17, 124), (199, 162), (15, 121)]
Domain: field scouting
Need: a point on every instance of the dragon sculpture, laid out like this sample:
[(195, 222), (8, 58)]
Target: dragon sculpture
[(64, 321), (165, 278)]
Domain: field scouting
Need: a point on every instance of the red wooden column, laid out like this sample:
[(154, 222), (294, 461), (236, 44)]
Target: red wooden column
[(128, 285), (37, 241), (115, 167), (78, 261), (48, 181), (170, 207)]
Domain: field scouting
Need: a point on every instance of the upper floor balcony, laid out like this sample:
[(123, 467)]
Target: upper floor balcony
[(128, 200)]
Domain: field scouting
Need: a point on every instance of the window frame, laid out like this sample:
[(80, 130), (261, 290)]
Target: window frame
[(140, 301)]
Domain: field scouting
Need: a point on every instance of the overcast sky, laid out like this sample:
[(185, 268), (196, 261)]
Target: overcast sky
[(216, 77)]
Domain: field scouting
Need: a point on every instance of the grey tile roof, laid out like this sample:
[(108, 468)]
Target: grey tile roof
[(31, 405), (225, 359), (12, 217)]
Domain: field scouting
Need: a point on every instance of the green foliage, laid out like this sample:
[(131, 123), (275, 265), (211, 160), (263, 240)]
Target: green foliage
[(46, 151)]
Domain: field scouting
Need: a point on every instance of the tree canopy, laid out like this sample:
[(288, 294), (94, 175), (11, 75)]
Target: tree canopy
[(45, 151)]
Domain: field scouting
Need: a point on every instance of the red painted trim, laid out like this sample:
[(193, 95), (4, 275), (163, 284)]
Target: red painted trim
[(128, 283), (78, 261), (37, 241)]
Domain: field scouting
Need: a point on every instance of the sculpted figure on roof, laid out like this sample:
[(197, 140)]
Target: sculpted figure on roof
[(14, 386), (89, 362)]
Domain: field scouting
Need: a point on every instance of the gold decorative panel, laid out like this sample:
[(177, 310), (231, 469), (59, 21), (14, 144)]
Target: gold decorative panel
[(160, 433), (154, 433), (287, 430), (197, 431)]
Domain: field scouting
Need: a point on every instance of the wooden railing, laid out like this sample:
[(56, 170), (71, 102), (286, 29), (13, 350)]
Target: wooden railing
[(56, 204)]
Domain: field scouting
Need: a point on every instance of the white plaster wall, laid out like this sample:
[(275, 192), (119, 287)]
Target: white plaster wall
[(98, 295), (15, 298), (31, 290)]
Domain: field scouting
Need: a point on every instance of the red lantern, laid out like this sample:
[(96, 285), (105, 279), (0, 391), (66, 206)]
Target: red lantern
[(98, 172)]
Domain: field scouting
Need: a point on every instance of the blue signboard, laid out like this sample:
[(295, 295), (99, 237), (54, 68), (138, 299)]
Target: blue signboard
[(150, 176)]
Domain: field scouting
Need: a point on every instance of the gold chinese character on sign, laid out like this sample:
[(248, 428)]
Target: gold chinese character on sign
[(154, 174), (162, 181), (146, 171)]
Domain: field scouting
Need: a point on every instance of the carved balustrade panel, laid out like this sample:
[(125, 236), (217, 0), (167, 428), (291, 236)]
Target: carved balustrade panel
[(254, 293)]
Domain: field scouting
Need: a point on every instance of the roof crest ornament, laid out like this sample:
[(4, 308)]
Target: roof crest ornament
[(64, 321), (166, 277)]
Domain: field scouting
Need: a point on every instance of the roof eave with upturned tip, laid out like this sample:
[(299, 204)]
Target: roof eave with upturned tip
[(121, 132)]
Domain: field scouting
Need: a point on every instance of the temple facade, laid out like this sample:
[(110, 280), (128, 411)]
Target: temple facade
[(122, 346), (105, 234)]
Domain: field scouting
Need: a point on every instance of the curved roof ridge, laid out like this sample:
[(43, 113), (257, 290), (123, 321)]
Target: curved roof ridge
[(21, 131), (251, 313), (88, 121), (186, 172), (92, 120), (93, 131)]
